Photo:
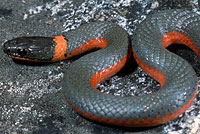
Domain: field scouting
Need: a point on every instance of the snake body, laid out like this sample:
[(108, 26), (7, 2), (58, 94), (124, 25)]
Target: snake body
[(177, 78)]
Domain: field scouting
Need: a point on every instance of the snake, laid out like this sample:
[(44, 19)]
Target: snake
[(106, 47)]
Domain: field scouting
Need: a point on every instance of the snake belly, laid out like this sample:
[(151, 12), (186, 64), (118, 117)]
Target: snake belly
[(178, 80)]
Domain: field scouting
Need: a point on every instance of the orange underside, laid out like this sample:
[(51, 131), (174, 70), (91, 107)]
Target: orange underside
[(107, 72), (90, 45), (179, 38), (135, 123), (25, 59), (168, 39)]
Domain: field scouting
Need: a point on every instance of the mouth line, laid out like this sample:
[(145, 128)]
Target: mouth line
[(14, 55)]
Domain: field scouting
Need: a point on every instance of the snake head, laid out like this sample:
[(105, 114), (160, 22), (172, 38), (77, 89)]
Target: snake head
[(30, 48)]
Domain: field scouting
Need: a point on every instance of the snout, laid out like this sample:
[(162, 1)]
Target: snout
[(13, 48)]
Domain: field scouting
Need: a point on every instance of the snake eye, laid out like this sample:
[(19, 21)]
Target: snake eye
[(21, 52)]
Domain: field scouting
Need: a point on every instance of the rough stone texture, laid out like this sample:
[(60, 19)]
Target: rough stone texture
[(30, 94)]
